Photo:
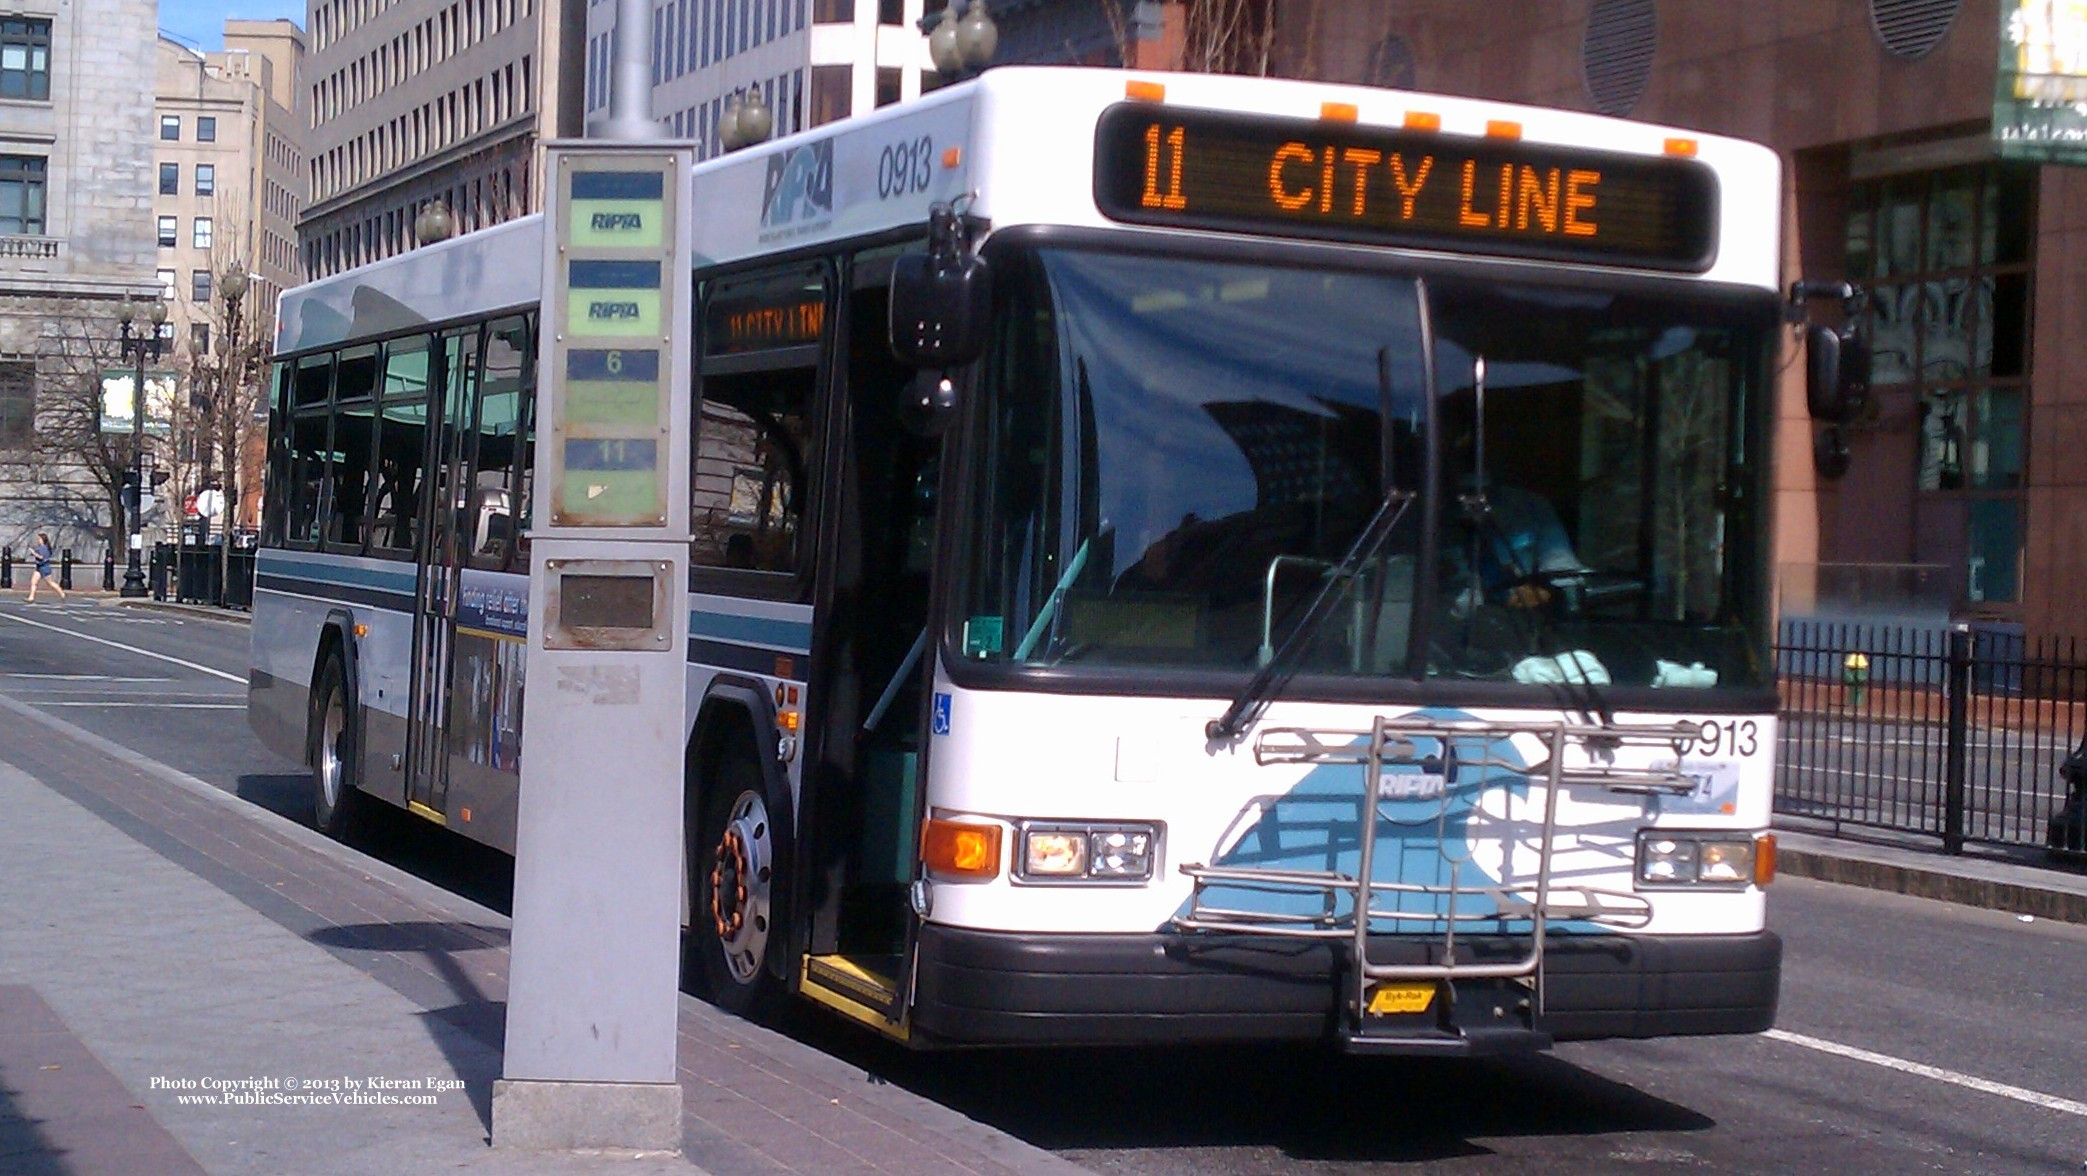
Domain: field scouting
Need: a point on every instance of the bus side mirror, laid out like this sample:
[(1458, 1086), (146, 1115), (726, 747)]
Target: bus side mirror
[(938, 309), (1837, 360)]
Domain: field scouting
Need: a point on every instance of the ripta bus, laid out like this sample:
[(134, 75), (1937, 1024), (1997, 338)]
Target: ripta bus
[(1175, 557)]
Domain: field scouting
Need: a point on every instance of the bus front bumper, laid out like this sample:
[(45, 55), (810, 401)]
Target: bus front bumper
[(986, 987)]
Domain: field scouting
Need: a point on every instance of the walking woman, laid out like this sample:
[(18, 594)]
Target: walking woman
[(41, 553)]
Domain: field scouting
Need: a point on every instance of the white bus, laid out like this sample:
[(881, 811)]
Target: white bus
[(1320, 593)]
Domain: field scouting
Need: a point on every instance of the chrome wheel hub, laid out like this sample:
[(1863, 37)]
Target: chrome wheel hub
[(742, 879)]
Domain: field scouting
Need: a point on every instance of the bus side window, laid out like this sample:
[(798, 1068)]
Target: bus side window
[(307, 475), (752, 436), (750, 477), (354, 441), (310, 445), (490, 523), (402, 445)]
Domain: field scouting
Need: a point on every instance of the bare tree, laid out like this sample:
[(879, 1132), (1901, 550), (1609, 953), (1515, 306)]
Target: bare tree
[(70, 440), (1227, 36)]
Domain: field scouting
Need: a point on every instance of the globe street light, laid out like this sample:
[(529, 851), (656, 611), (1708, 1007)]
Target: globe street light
[(962, 47), (138, 346), (433, 223)]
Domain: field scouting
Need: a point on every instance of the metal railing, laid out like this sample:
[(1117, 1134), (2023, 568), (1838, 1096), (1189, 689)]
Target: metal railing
[(1954, 730)]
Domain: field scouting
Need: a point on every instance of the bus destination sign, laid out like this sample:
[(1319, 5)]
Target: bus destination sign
[(1203, 169)]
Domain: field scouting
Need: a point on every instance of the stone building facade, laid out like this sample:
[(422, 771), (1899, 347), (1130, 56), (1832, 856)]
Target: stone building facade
[(411, 104), (76, 187), (229, 185)]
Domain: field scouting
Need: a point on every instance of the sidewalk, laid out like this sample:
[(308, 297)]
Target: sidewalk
[(162, 941)]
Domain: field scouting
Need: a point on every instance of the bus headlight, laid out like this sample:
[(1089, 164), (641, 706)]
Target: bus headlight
[(1059, 852), (1668, 858)]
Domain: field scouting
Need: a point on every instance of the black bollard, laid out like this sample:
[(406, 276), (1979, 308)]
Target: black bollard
[(108, 569), (65, 569), (6, 567)]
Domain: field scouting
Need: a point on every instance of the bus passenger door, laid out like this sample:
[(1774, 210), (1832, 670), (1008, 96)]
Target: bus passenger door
[(446, 478), (871, 671)]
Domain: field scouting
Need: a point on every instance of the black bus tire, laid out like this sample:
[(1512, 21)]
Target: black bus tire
[(336, 764), (737, 883)]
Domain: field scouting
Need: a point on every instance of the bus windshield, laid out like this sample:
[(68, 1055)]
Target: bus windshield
[(1176, 454)]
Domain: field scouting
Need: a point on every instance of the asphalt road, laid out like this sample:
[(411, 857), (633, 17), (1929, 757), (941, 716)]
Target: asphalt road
[(1914, 1036)]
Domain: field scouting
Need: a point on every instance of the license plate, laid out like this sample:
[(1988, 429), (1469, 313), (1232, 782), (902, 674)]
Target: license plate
[(1401, 998)]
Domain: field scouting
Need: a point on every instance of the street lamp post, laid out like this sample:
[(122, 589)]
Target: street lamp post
[(230, 410), (961, 47), (138, 346)]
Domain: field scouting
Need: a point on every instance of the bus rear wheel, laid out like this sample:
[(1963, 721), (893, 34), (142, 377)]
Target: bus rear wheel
[(336, 801), (737, 885)]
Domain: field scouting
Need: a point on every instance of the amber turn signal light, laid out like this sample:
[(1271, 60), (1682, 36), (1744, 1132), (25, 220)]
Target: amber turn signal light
[(1764, 859), (959, 849)]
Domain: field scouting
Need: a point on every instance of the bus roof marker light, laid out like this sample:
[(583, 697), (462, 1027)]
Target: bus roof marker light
[(1423, 120), (951, 157), (1139, 91), (1339, 111), (1501, 128), (1681, 147)]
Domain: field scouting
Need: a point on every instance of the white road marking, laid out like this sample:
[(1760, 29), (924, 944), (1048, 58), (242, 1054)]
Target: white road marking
[(83, 678), (2019, 1094), (215, 673), (158, 705)]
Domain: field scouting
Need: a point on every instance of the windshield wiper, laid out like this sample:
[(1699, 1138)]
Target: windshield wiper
[(1263, 686)]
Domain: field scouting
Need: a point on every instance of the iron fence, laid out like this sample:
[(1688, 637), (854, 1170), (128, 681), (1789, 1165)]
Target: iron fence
[(1952, 731), (204, 573)]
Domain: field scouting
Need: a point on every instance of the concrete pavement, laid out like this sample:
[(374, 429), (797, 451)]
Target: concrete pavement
[(174, 961)]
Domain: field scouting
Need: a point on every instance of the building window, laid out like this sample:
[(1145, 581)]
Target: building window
[(170, 127), (206, 179), (1947, 258), (169, 226), (25, 59), (199, 285), (206, 129), (199, 338), (170, 179), (21, 194), (17, 403), (201, 237), (166, 284)]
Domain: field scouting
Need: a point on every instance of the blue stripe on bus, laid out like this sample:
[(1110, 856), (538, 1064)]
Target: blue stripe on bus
[(295, 570), (793, 636)]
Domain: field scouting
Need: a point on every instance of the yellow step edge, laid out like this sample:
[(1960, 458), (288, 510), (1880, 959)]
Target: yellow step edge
[(841, 994)]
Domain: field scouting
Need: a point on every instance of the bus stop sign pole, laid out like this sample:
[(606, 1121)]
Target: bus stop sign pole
[(593, 983)]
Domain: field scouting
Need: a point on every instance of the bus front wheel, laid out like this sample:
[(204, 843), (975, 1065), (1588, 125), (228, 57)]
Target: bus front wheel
[(737, 887), (335, 766)]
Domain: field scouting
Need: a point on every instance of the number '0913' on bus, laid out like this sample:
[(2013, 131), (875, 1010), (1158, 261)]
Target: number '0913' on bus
[(1175, 557)]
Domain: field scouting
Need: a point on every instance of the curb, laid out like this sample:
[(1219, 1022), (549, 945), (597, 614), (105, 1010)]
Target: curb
[(2059, 905), (228, 616)]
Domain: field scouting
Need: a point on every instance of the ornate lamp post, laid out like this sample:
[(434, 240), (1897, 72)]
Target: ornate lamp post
[(138, 346), (227, 411)]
